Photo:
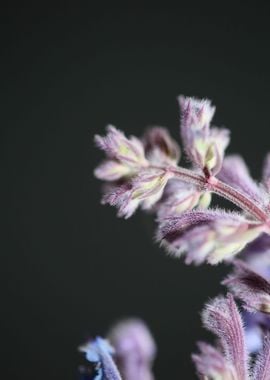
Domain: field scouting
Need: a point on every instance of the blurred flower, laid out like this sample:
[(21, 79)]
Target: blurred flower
[(207, 235), (231, 360), (256, 327), (99, 353), (135, 349), (204, 146)]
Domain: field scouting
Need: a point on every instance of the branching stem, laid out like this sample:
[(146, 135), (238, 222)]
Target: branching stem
[(226, 191)]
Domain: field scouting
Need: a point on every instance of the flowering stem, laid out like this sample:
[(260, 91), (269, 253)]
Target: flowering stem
[(218, 187)]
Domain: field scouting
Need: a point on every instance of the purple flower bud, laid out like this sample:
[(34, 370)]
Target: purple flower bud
[(145, 189), (117, 147), (99, 352), (250, 287), (235, 173), (211, 235), (180, 197), (204, 146), (148, 186), (135, 349), (160, 147)]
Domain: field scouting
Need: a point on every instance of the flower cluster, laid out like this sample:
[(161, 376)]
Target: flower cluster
[(145, 173)]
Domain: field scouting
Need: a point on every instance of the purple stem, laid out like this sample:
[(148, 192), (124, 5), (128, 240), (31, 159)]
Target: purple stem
[(216, 186)]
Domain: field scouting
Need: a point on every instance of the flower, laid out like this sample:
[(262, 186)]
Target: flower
[(145, 189), (211, 235), (125, 156), (204, 146), (231, 360)]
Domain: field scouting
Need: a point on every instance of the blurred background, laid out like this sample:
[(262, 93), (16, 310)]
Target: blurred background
[(69, 267)]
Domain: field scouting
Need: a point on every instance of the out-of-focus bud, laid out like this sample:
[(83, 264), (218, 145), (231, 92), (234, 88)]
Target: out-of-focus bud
[(135, 349), (160, 147), (210, 235), (204, 146)]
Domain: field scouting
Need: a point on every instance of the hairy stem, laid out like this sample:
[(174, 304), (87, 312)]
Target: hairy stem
[(226, 191)]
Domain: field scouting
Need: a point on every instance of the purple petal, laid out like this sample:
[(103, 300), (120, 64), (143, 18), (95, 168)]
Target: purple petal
[(261, 370), (135, 349), (250, 287), (99, 352), (211, 235), (235, 173), (211, 363), (160, 147), (222, 317)]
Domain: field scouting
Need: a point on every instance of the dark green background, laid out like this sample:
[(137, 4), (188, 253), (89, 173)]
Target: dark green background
[(69, 267)]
